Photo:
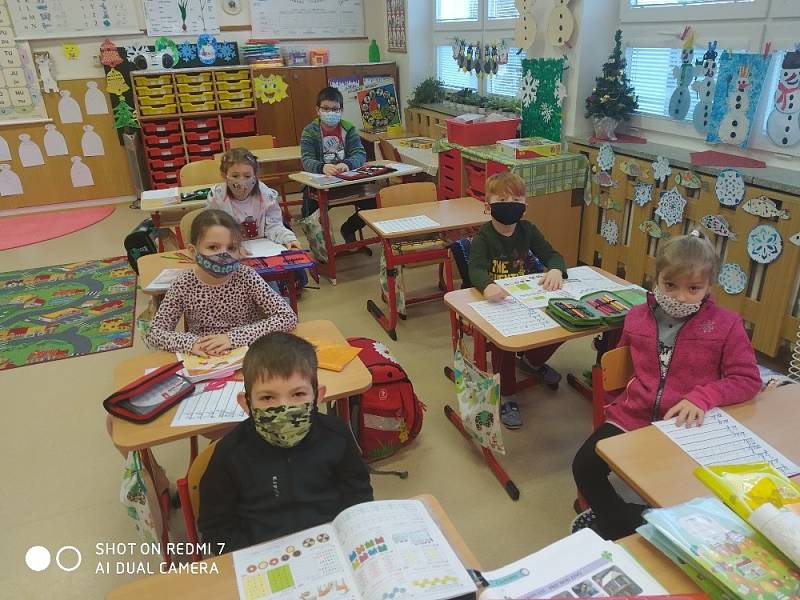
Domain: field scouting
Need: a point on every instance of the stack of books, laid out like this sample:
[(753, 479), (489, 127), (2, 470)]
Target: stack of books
[(262, 52)]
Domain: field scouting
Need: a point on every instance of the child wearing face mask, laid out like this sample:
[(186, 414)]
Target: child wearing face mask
[(689, 355), (508, 246), (251, 202), (286, 468), (331, 145), (224, 304)]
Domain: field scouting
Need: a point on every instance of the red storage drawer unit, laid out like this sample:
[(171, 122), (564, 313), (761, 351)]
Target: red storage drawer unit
[(212, 135), (481, 133), (173, 164), (168, 177), (162, 140), (244, 125), (449, 174), (203, 151), (166, 153), (201, 124), (476, 179), (161, 127)]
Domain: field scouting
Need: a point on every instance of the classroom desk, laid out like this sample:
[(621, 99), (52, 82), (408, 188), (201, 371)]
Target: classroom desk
[(168, 216), (463, 315), (351, 381), (151, 265), (661, 473), (322, 190), (451, 215), (223, 584), (421, 157), (266, 156)]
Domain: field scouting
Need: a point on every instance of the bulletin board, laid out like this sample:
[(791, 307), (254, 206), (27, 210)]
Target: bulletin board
[(48, 19), (307, 19)]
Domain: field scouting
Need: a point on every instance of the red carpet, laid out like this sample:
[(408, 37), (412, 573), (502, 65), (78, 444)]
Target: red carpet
[(38, 227)]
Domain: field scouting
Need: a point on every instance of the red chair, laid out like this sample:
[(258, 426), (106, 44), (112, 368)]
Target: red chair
[(189, 493)]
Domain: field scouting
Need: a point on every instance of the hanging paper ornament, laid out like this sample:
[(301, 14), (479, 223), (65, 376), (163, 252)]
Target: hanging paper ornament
[(795, 239), (605, 157), (688, 180), (764, 244), (168, 51), (206, 49), (661, 169), (115, 83), (705, 89), (732, 278), (124, 115), (271, 89), (653, 229), (525, 31), (684, 74), (729, 187), (561, 24), (109, 55), (719, 225), (605, 180), (502, 55), (764, 207), (782, 126), (643, 193), (607, 202), (631, 168), (670, 207), (610, 232), (527, 89)]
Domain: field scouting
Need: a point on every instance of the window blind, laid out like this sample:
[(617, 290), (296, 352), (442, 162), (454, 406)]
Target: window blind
[(650, 73), (502, 9), (456, 10), (448, 72), (506, 82)]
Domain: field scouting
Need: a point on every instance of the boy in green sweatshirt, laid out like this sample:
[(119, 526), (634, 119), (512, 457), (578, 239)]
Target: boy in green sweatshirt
[(508, 246)]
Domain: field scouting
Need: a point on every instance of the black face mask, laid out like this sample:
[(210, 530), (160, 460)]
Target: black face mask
[(507, 213)]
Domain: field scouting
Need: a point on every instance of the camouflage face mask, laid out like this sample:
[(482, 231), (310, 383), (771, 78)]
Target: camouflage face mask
[(284, 426)]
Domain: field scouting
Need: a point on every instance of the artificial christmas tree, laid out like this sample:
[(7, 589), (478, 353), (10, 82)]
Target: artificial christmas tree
[(612, 99)]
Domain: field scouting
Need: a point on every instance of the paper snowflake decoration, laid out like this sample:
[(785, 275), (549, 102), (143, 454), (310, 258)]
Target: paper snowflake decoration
[(661, 169), (764, 244), (187, 51), (547, 113), (610, 232), (670, 207), (642, 193), (605, 157), (131, 52), (225, 51), (528, 89), (559, 93)]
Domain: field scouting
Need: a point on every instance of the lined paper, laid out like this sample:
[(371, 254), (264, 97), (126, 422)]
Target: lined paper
[(214, 403), (511, 317), (406, 224)]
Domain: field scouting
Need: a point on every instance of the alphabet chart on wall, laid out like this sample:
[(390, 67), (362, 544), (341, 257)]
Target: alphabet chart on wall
[(60, 19)]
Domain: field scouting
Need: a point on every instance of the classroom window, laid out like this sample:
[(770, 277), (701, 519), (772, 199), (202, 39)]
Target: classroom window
[(506, 82), (502, 9), (448, 72), (456, 10)]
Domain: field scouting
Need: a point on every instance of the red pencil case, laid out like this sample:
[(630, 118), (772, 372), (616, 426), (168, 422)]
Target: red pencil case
[(150, 396)]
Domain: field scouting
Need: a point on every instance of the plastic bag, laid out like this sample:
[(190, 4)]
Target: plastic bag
[(479, 402), (143, 322), (138, 496), (312, 229), (399, 284)]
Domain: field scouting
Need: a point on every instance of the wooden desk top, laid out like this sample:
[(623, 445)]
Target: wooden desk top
[(658, 565), (223, 584), (270, 155), (401, 169), (661, 473), (450, 214), (151, 265), (459, 301), (383, 135), (352, 380), (153, 206)]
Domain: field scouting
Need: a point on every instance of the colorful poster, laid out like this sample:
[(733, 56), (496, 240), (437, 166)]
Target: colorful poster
[(542, 96), (396, 25), (379, 107)]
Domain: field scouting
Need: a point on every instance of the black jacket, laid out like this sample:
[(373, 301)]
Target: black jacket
[(252, 491)]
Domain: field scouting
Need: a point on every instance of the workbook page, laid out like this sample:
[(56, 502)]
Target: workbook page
[(395, 550)]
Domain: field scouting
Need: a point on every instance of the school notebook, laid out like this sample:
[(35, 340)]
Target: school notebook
[(200, 368), (333, 357), (371, 551)]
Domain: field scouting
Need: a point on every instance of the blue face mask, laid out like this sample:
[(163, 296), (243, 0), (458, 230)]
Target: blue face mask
[(217, 265), (330, 118)]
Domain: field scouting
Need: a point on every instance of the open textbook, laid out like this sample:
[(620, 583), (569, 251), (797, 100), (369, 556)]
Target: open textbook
[(371, 551)]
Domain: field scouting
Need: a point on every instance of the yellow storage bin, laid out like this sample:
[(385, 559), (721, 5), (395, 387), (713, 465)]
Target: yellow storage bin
[(196, 98), (194, 78), (158, 90), (200, 106), (169, 109), (185, 88), (230, 105), (153, 80), (232, 86), (156, 100), (240, 95), (231, 75)]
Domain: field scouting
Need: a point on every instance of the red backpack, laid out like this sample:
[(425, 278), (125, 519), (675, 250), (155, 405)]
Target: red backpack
[(390, 415)]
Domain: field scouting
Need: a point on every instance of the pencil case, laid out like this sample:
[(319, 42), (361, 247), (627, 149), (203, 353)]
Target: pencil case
[(150, 396), (593, 310)]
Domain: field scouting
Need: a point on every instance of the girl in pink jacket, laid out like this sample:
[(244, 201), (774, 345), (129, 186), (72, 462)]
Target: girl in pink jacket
[(689, 355)]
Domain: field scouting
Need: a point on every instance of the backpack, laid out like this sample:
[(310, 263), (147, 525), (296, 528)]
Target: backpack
[(390, 414), (141, 241)]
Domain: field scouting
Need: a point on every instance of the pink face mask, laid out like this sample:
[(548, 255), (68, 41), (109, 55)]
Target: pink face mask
[(240, 187)]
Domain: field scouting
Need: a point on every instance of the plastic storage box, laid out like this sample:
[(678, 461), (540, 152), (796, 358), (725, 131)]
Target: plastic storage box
[(481, 133)]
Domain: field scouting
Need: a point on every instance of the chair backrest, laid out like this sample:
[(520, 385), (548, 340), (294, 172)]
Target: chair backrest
[(407, 193), (388, 151), (186, 224), (201, 172), (195, 474), (252, 142), (617, 368)]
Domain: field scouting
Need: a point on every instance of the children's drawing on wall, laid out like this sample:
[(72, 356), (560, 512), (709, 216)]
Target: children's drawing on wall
[(69, 111), (30, 155), (91, 143), (94, 100), (739, 85), (10, 183), (684, 74), (782, 127), (80, 173), (5, 151), (705, 88), (54, 142), (45, 66)]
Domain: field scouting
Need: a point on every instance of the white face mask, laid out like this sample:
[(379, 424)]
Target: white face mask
[(675, 308), (241, 187)]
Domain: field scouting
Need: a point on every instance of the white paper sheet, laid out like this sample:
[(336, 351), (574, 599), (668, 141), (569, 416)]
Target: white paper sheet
[(722, 440), (69, 111), (406, 224), (261, 247), (212, 406), (94, 100), (91, 142), (80, 173), (163, 280), (55, 144), (511, 317), (10, 183), (30, 155), (152, 199)]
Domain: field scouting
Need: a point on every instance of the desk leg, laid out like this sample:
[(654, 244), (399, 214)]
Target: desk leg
[(155, 217), (329, 268), (164, 504), (389, 324), (605, 341), (291, 282)]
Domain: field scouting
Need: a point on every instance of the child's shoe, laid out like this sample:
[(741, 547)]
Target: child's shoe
[(549, 376), (586, 519), (509, 412)]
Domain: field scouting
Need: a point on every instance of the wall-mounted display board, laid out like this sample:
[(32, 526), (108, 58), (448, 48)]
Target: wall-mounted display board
[(307, 19)]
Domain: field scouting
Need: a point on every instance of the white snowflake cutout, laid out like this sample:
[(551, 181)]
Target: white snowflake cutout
[(729, 187), (605, 157), (527, 89), (661, 169), (131, 52), (732, 278), (643, 193), (764, 244), (559, 93), (610, 232), (547, 113), (670, 207)]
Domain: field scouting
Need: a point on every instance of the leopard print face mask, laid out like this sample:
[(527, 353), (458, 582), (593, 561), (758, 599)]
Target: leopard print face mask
[(284, 426)]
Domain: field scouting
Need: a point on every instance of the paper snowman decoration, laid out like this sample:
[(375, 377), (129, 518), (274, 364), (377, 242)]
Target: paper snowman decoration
[(729, 187), (705, 89), (561, 24), (681, 98), (782, 127), (10, 183), (525, 32), (735, 125), (30, 155)]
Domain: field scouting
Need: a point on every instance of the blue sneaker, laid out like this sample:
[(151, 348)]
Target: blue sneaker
[(586, 519), (509, 413)]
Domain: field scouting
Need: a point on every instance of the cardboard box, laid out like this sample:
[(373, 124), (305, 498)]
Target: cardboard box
[(532, 147)]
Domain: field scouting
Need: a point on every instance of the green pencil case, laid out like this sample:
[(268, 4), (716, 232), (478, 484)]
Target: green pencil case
[(201, 194), (593, 310)]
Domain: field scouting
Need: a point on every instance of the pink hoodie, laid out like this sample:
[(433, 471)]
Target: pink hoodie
[(713, 364)]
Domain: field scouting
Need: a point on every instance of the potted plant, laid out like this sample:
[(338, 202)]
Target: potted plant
[(429, 91)]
